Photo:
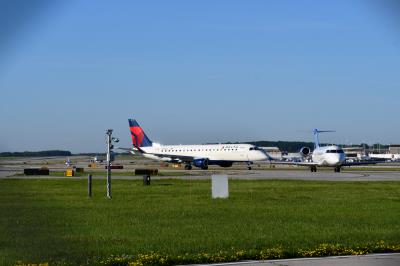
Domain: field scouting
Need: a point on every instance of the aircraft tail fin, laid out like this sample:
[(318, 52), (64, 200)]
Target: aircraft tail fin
[(316, 136), (139, 138)]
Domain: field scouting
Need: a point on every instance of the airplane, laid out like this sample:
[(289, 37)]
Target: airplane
[(97, 159), (390, 157), (328, 156), (200, 156)]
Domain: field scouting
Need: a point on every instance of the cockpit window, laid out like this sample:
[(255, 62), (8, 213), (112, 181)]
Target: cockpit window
[(254, 149), (334, 151)]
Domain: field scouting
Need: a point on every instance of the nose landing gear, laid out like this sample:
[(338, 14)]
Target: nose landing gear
[(313, 168), (188, 167), (337, 169)]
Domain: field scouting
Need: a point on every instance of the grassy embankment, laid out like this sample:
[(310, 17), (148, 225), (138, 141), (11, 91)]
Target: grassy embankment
[(53, 220)]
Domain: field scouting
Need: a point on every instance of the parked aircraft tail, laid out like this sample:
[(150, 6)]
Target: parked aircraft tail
[(139, 138), (316, 138)]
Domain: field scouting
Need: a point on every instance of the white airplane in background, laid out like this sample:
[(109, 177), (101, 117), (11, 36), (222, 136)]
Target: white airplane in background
[(200, 156), (328, 156), (97, 159), (385, 156)]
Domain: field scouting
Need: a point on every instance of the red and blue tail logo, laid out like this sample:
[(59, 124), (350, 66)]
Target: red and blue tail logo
[(139, 138)]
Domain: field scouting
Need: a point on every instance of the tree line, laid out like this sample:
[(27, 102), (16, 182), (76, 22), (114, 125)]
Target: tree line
[(36, 153), (284, 146)]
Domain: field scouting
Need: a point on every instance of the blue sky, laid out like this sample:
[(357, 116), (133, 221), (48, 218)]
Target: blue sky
[(198, 71)]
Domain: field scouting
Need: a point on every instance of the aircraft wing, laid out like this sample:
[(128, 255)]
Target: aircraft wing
[(361, 163), (295, 163), (182, 158), (127, 149), (130, 150), (316, 164)]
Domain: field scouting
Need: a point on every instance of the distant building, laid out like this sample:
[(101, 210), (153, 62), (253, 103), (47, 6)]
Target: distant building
[(394, 148), (355, 153), (391, 153)]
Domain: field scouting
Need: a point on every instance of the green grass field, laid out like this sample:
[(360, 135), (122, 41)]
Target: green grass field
[(54, 220)]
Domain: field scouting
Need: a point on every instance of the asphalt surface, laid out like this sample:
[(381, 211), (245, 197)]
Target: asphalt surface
[(10, 167), (6, 173), (389, 259), (305, 175), (252, 175)]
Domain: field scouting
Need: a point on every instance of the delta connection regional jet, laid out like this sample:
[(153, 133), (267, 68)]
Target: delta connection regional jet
[(328, 156), (200, 156)]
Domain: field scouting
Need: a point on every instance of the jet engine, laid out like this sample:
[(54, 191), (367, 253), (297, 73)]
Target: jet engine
[(305, 151), (201, 163)]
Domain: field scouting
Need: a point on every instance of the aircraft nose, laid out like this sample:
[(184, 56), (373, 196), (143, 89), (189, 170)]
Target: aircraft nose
[(263, 155), (333, 159), (337, 159)]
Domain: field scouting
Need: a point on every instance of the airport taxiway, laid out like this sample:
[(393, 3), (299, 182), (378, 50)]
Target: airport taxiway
[(352, 176), (14, 167)]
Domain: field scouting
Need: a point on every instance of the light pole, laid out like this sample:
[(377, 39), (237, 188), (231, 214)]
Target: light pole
[(110, 158)]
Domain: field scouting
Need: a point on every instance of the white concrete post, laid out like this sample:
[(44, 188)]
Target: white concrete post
[(219, 186)]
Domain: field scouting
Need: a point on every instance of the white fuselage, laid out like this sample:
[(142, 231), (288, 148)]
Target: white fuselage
[(328, 156), (213, 152)]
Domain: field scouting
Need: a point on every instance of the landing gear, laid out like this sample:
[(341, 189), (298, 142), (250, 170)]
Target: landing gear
[(205, 167), (313, 168), (188, 167), (337, 169), (249, 165)]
